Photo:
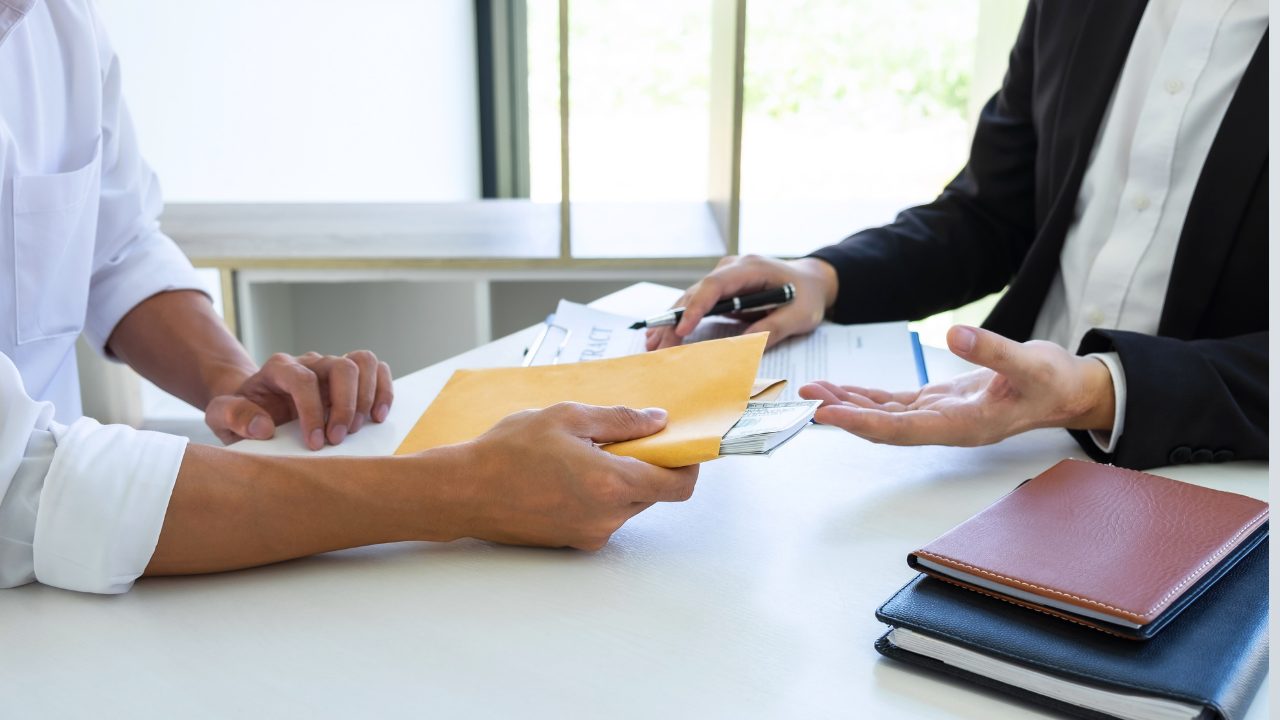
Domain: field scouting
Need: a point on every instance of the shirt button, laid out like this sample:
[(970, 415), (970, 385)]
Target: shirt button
[(1173, 87), (1142, 202), (1095, 317)]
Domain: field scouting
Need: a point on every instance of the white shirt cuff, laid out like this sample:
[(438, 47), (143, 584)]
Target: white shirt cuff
[(103, 505), (1106, 441)]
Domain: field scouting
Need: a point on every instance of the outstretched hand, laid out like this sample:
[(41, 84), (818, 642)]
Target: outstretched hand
[(1020, 387)]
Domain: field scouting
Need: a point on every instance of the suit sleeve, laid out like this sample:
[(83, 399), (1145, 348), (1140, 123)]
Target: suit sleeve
[(969, 241), (1186, 400)]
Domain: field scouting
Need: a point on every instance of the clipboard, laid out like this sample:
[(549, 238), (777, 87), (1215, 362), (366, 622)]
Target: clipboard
[(550, 343)]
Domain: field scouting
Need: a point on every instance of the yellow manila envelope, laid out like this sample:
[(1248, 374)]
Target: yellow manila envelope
[(704, 387), (767, 389)]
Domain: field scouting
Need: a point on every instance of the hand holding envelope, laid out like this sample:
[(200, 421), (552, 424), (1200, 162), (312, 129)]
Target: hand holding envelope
[(704, 388)]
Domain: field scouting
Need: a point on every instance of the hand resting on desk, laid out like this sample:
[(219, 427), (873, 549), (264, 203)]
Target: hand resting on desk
[(330, 396), (1021, 386), (177, 341)]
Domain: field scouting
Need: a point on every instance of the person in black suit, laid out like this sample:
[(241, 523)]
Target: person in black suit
[(1117, 184)]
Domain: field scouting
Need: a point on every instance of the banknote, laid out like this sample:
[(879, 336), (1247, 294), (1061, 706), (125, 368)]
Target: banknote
[(766, 425)]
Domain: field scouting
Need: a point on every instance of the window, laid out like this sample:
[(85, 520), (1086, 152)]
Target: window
[(639, 121), (852, 110), (835, 95)]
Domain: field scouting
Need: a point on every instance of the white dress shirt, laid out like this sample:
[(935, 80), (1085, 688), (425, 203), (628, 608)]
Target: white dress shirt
[(1180, 75), (80, 504)]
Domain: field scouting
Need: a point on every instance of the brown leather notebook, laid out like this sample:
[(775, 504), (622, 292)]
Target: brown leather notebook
[(1118, 550)]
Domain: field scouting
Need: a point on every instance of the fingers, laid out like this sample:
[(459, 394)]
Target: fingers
[(882, 397), (878, 397), (374, 390), (635, 488), (232, 417), (662, 337), (665, 336), (985, 348), (331, 396), (733, 276), (341, 377), (775, 323), (831, 394), (820, 391), (289, 376), (549, 484), (815, 291), (384, 394), (608, 424), (652, 484), (916, 427), (367, 385)]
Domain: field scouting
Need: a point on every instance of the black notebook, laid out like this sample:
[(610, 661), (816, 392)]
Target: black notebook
[(1208, 663)]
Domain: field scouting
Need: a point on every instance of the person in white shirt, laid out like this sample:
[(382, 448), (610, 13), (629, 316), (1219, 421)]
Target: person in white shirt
[(90, 507), (1117, 184)]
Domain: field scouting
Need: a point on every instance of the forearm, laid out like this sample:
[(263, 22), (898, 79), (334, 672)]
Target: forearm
[(176, 340), (934, 257), (231, 510), (1187, 400)]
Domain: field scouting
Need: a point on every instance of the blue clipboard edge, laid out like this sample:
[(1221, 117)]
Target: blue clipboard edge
[(916, 349)]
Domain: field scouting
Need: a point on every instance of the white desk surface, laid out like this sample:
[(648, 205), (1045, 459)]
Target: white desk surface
[(754, 599)]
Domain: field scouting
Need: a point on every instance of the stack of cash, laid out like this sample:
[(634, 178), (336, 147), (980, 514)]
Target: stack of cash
[(766, 425)]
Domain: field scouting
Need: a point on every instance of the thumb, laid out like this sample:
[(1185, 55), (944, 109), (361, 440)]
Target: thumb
[(771, 324), (240, 417), (616, 423), (985, 348)]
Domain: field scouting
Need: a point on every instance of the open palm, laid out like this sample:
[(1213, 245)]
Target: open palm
[(1022, 386)]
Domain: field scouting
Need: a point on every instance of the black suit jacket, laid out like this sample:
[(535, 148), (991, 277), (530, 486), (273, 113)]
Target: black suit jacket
[(1197, 391)]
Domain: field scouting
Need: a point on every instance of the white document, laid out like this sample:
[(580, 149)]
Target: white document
[(578, 333), (877, 355), (874, 355)]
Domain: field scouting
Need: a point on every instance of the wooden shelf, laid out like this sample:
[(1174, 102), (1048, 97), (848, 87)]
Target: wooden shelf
[(253, 235)]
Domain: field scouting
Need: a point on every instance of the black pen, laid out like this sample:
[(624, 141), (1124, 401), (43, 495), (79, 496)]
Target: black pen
[(763, 300)]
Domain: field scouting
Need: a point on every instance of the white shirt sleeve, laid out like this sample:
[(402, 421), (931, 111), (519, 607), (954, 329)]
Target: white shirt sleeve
[(81, 506), (1106, 441), (132, 258)]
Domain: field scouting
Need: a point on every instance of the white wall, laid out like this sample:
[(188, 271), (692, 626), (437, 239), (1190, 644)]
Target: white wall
[(303, 100), (408, 324)]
